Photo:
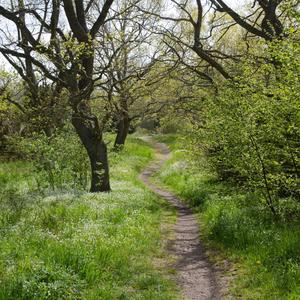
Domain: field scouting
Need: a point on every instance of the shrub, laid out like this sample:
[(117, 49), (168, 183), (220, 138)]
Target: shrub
[(59, 161), (251, 129)]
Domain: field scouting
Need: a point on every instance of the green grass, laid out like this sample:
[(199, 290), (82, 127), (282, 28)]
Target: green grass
[(77, 245), (267, 253)]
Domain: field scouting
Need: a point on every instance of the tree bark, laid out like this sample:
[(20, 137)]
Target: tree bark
[(122, 132), (97, 152)]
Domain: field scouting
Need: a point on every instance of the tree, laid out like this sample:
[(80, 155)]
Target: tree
[(67, 59), (266, 23), (129, 57), (197, 28), (39, 99)]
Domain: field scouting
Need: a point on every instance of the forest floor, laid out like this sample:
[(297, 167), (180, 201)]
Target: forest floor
[(196, 275)]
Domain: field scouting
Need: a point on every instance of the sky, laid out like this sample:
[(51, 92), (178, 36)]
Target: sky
[(235, 3)]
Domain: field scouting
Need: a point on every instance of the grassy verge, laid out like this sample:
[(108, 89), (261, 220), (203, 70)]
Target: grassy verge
[(81, 245), (267, 253)]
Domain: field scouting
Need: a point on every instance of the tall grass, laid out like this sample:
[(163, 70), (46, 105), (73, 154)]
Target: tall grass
[(266, 251), (77, 245)]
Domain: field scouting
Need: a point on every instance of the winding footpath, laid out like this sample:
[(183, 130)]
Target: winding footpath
[(196, 276)]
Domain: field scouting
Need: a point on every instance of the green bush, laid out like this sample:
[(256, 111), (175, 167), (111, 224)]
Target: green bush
[(60, 161), (250, 131)]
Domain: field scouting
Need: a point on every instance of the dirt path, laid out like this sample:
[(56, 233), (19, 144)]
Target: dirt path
[(196, 275)]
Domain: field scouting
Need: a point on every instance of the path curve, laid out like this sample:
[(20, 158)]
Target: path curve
[(196, 276)]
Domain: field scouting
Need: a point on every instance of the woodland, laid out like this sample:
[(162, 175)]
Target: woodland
[(90, 90)]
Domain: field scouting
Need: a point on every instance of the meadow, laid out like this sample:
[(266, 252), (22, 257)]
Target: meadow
[(70, 244)]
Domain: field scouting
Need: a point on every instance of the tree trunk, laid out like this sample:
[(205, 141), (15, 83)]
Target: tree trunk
[(122, 132), (97, 152)]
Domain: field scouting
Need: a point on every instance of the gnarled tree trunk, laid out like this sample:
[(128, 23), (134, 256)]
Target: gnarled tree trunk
[(122, 131), (97, 152)]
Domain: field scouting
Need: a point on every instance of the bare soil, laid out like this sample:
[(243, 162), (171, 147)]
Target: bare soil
[(196, 275)]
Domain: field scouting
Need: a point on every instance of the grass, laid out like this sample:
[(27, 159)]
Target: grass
[(266, 253), (77, 245)]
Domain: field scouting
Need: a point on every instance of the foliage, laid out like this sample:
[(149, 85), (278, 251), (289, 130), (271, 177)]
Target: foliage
[(51, 114), (250, 131), (59, 161), (9, 115)]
